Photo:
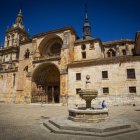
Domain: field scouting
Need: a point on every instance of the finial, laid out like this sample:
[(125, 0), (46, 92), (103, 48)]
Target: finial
[(86, 26), (19, 18), (85, 8), (20, 13), (86, 16)]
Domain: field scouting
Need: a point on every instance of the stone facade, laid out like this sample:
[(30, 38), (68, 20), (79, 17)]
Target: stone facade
[(117, 81), (44, 68)]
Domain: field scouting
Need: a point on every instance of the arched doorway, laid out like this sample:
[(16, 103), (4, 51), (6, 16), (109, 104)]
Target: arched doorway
[(46, 84)]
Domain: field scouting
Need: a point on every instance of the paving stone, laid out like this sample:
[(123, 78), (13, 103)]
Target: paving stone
[(25, 122)]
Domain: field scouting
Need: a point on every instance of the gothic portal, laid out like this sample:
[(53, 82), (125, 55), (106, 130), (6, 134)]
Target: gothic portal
[(46, 84)]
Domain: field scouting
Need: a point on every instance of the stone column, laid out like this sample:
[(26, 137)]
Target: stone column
[(63, 88), (27, 90), (52, 94), (88, 103)]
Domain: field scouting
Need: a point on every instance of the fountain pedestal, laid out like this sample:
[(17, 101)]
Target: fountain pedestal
[(88, 95), (88, 114)]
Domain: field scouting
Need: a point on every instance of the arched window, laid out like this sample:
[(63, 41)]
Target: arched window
[(0, 67), (124, 52), (111, 53), (108, 54), (83, 47), (27, 53), (133, 51), (8, 40), (13, 39)]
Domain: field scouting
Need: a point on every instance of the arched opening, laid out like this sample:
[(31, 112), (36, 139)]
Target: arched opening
[(124, 52), (133, 51), (50, 46), (111, 53), (46, 84)]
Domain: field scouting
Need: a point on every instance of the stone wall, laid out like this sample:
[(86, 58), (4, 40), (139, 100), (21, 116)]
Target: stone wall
[(93, 51), (8, 87), (23, 89), (117, 81)]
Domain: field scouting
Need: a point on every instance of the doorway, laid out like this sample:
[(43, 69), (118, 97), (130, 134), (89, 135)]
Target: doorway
[(46, 84)]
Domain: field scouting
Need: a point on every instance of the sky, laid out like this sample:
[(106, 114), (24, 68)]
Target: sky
[(109, 19)]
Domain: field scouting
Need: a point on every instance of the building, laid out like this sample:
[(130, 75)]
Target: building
[(51, 67)]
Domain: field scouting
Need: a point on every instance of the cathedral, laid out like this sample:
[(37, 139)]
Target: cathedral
[(51, 67)]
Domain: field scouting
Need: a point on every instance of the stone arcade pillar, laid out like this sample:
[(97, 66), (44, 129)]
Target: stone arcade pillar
[(28, 89), (63, 87), (52, 94)]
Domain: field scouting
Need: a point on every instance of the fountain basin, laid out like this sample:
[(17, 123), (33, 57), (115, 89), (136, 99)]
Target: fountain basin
[(88, 115), (88, 95)]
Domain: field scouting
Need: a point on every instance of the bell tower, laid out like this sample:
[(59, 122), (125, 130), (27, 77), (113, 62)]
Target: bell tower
[(19, 20), (86, 26), (17, 33)]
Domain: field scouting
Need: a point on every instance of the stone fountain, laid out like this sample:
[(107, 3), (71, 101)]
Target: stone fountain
[(88, 114), (87, 121)]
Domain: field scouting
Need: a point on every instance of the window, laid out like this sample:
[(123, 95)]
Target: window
[(1, 77), (104, 74), (131, 73), (83, 55), (92, 45), (108, 54), (105, 90), (124, 52), (12, 39), (27, 53), (83, 47), (0, 67), (133, 51), (8, 40), (78, 76), (132, 89), (77, 90), (111, 53)]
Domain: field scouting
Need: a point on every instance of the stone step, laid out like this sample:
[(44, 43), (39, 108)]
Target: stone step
[(55, 129)]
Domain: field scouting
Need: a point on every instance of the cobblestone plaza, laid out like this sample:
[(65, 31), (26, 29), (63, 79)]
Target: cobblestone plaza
[(25, 122)]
